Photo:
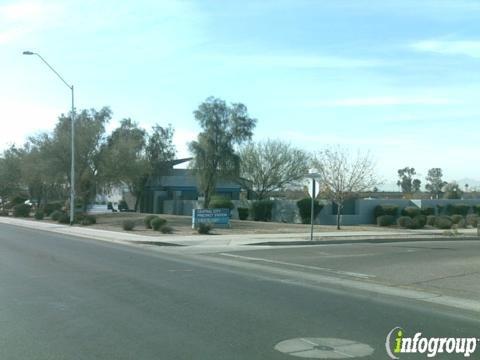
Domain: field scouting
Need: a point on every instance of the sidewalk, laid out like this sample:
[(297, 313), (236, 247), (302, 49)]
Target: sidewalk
[(249, 239)]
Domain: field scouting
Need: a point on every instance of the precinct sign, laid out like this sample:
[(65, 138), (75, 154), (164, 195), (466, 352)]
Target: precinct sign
[(216, 217)]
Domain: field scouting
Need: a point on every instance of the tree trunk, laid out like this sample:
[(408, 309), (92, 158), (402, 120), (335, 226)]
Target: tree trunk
[(206, 199), (339, 210), (137, 198)]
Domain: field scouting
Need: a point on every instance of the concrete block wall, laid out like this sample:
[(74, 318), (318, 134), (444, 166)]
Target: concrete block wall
[(286, 210)]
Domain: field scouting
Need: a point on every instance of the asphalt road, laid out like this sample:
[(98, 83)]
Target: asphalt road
[(69, 298), (447, 267)]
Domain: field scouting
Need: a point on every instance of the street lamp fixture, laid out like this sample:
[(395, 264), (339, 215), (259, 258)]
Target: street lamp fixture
[(72, 173)]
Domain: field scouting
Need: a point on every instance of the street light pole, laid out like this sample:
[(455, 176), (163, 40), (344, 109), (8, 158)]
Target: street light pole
[(72, 116)]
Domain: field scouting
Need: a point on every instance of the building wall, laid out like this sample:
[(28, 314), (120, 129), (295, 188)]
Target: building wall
[(286, 210)]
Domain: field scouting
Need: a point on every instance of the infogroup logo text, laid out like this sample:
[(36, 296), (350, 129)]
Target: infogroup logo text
[(397, 343)]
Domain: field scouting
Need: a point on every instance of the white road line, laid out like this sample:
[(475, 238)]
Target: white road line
[(310, 267)]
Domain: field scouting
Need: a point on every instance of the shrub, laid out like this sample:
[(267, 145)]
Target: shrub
[(440, 209), (49, 208), (147, 220), (385, 220), (21, 210), (431, 220), (122, 205), (128, 225), (242, 213), (443, 222), (165, 229), (418, 222), (411, 211), (476, 209), (305, 209), (472, 220), (4, 212), (221, 202), (56, 215), (456, 218), (85, 219), (204, 228), (39, 214), (262, 210), (381, 210), (405, 222), (156, 223), (64, 218), (17, 200), (427, 211), (460, 209)]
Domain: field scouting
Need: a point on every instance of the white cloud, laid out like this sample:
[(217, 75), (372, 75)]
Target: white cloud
[(383, 101), (463, 47)]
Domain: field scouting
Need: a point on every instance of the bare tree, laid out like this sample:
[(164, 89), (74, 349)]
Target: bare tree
[(271, 165), (341, 175)]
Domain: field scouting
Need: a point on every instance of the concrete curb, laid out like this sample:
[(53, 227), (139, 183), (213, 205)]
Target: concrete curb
[(294, 239), (370, 240)]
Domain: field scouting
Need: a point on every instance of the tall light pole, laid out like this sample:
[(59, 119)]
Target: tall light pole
[(72, 170)]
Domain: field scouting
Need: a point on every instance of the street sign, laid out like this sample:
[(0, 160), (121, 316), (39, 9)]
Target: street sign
[(313, 190)]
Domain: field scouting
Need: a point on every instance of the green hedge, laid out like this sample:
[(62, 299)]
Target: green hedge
[(21, 210), (55, 215), (427, 211), (460, 209), (221, 202), (457, 218), (242, 213), (443, 222), (431, 220), (381, 210), (262, 210), (305, 209), (49, 208), (404, 221), (417, 222), (64, 218), (386, 220), (476, 209), (39, 214), (411, 211)]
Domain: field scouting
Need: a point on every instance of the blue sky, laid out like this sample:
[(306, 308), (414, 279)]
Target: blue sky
[(397, 78)]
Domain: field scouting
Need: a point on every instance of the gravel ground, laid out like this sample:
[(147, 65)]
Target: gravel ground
[(182, 225)]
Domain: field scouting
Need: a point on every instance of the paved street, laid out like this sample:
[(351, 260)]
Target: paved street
[(72, 298), (445, 267)]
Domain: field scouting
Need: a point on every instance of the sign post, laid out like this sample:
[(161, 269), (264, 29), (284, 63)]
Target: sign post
[(313, 190)]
